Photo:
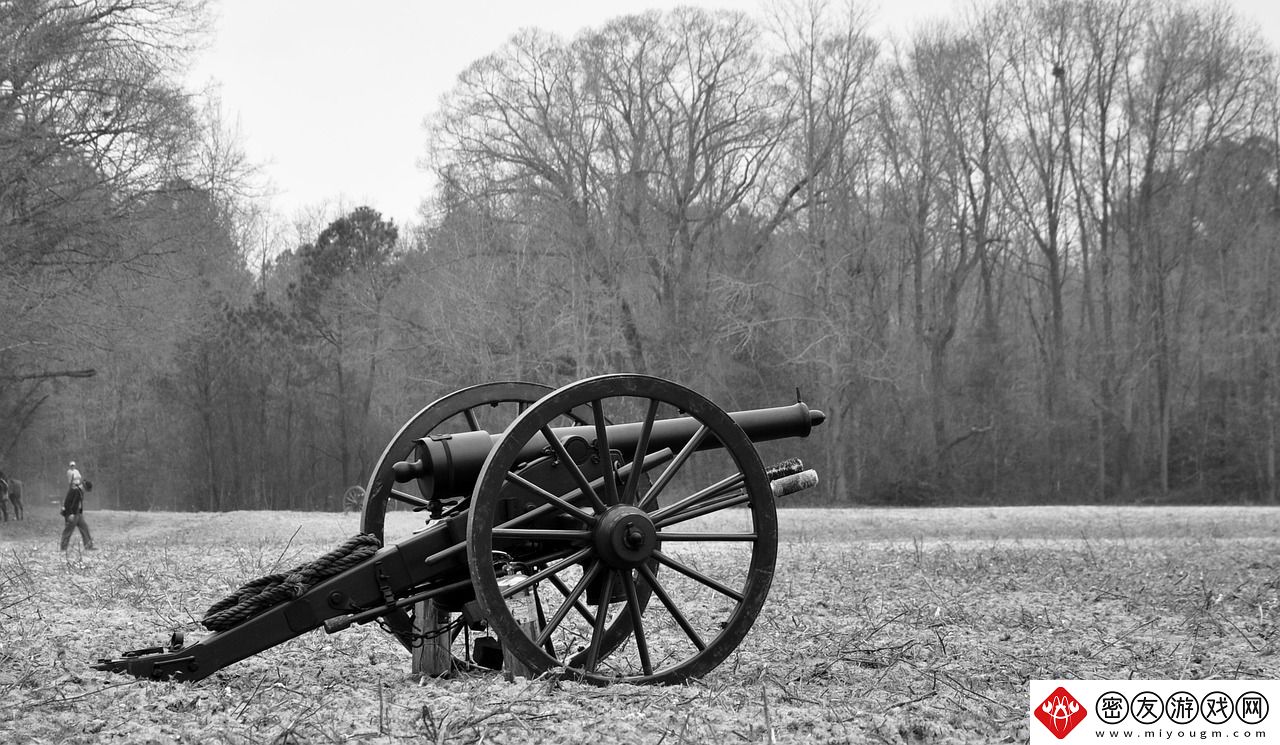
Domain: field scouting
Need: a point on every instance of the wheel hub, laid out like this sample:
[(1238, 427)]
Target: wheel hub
[(625, 537)]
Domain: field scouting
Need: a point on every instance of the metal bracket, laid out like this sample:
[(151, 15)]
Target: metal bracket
[(384, 583)]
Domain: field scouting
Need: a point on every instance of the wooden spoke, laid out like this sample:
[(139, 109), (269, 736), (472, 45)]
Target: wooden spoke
[(574, 471), (544, 535), (602, 450), (571, 601), (670, 471), (708, 536), (714, 490), (458, 548), (642, 447), (542, 621), (637, 622), (542, 510), (552, 499), (694, 574), (580, 606), (407, 498), (670, 605), (597, 632), (542, 574), (550, 556), (732, 500)]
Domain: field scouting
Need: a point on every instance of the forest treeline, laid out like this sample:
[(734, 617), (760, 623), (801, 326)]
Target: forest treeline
[(1024, 254)]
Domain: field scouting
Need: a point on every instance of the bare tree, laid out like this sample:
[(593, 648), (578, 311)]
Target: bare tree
[(1199, 85), (816, 295), (935, 188), (92, 127), (1109, 34)]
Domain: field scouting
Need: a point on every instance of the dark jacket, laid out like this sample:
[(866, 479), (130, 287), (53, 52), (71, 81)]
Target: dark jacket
[(74, 503)]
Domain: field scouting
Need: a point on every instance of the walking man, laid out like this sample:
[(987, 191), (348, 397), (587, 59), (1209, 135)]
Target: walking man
[(73, 508), (4, 496)]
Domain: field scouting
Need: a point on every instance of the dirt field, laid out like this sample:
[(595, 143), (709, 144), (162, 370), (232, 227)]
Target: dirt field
[(882, 626)]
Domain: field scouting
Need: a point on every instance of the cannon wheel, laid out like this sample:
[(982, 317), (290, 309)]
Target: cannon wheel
[(353, 498), (716, 578), (489, 406)]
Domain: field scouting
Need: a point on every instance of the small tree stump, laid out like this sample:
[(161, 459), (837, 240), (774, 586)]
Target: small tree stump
[(431, 655)]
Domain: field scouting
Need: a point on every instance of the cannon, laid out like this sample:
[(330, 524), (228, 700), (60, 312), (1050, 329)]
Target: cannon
[(620, 528)]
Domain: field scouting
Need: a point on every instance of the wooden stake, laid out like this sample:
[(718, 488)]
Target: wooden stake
[(431, 655)]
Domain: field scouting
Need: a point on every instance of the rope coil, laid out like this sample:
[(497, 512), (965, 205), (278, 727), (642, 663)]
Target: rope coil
[(263, 593)]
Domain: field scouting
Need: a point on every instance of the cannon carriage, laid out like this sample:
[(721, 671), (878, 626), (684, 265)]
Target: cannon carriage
[(621, 528)]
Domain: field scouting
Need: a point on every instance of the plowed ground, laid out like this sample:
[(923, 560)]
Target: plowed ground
[(881, 626)]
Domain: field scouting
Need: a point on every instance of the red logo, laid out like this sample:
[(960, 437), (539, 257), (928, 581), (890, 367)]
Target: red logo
[(1060, 713)]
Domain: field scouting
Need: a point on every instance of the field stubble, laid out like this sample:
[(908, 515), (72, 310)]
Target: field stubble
[(882, 626)]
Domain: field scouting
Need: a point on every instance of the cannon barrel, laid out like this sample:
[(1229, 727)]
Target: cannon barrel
[(448, 465)]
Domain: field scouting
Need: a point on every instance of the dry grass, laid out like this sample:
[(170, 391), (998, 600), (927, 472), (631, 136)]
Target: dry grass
[(882, 626)]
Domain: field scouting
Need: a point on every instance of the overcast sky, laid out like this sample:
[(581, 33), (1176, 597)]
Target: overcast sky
[(330, 96)]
